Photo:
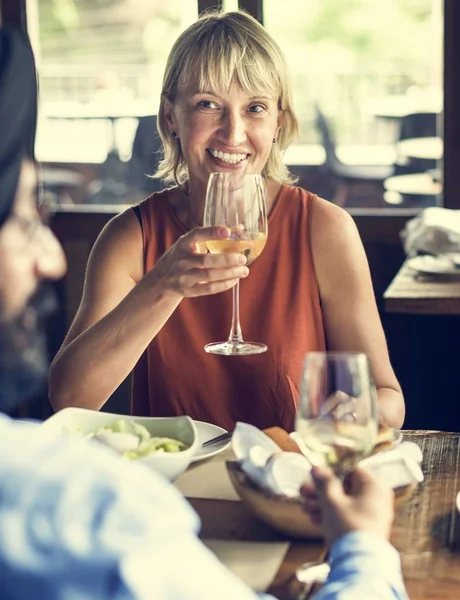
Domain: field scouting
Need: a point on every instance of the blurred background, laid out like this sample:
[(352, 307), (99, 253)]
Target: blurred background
[(376, 88), (359, 68)]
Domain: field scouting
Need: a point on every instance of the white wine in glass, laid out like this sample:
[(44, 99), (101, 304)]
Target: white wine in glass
[(237, 201), (337, 414), (251, 248)]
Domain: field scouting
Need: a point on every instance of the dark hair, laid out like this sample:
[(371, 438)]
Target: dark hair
[(18, 112)]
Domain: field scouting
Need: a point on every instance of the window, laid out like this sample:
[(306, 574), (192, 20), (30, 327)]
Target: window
[(101, 65), (359, 68)]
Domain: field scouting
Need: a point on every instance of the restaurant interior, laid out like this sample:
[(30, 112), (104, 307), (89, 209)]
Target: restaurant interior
[(357, 128), (377, 90)]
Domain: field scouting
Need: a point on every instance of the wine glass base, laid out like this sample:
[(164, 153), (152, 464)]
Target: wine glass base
[(235, 348)]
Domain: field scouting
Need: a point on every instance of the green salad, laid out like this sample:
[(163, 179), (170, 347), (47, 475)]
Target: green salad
[(133, 441)]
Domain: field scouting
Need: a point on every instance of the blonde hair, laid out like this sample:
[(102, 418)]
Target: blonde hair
[(220, 48)]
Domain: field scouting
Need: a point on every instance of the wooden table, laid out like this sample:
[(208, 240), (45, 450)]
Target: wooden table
[(412, 293), (426, 529)]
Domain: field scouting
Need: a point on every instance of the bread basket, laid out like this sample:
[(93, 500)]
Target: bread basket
[(284, 514)]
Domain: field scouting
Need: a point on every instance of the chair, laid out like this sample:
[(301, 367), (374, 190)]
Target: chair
[(347, 175), (145, 156), (120, 180), (413, 126)]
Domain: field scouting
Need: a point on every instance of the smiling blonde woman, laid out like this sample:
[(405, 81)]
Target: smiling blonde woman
[(152, 299), (237, 50)]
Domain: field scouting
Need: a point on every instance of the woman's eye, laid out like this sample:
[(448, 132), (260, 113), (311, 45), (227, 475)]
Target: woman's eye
[(257, 108), (207, 104)]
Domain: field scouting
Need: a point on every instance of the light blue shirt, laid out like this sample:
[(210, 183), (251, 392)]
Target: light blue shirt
[(78, 523), (363, 565)]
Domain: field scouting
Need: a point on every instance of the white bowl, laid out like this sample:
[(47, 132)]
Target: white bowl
[(170, 465)]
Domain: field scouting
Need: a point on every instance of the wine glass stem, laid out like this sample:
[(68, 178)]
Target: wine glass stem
[(235, 332)]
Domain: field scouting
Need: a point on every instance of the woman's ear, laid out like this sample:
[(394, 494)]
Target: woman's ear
[(168, 111), (279, 123)]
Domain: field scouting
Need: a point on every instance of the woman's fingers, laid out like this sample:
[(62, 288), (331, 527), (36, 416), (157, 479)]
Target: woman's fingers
[(208, 260), (202, 234), (210, 275), (192, 271), (208, 289)]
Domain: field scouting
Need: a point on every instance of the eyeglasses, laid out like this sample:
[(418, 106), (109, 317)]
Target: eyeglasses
[(34, 224), (33, 227)]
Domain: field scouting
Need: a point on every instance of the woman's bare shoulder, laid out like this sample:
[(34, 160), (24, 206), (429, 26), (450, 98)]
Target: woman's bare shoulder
[(330, 219), (120, 241), (337, 249)]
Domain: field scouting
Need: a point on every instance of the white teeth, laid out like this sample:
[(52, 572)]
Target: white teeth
[(226, 157)]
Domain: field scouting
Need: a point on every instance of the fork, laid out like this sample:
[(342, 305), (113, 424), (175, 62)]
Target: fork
[(223, 437)]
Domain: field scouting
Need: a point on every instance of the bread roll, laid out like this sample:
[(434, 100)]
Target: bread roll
[(385, 439), (282, 438), (287, 444)]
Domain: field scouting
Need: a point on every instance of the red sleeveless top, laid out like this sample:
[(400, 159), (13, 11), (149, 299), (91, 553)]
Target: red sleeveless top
[(279, 306)]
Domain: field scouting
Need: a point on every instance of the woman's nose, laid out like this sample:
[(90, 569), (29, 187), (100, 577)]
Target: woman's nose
[(233, 129)]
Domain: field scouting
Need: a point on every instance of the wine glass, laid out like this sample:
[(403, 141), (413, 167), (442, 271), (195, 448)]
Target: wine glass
[(337, 414), (237, 200), (337, 418)]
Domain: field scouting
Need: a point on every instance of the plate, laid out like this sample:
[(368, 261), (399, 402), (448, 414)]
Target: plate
[(442, 264), (207, 431)]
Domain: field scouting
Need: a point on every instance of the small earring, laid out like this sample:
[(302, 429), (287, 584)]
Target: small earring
[(274, 140), (174, 134)]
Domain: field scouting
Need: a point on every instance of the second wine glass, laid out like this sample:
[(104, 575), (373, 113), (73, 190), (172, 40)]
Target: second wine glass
[(337, 414), (237, 201), (337, 420)]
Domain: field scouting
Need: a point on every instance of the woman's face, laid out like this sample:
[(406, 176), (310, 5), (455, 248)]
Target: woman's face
[(223, 131)]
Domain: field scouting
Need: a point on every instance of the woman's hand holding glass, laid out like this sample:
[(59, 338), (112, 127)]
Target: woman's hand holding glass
[(188, 270)]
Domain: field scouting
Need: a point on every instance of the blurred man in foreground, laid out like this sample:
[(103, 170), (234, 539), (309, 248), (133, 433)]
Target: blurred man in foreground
[(76, 522)]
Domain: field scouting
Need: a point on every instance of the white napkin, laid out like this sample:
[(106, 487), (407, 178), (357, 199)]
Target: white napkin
[(435, 230), (283, 473), (397, 467), (266, 464)]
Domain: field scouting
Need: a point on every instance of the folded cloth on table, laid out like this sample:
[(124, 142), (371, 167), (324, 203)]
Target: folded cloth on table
[(434, 230)]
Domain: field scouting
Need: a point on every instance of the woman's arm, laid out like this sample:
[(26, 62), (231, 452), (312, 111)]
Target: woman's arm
[(113, 323), (351, 318), (122, 311)]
